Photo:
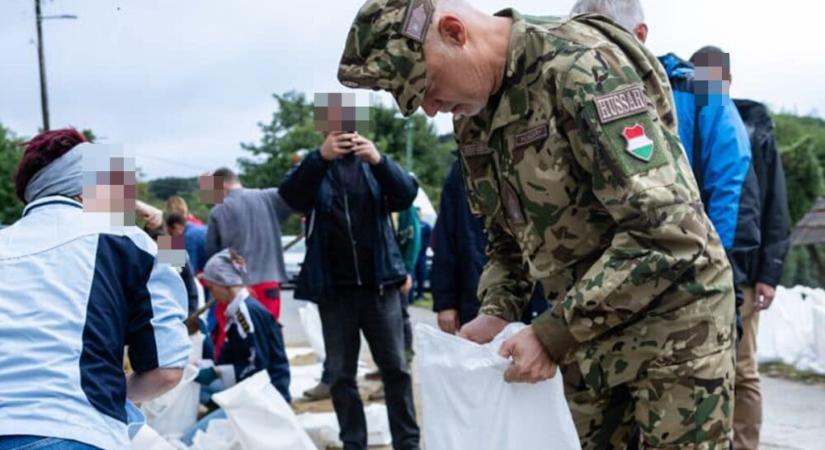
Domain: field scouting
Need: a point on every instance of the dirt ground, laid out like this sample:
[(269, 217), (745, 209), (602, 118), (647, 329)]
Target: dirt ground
[(365, 388)]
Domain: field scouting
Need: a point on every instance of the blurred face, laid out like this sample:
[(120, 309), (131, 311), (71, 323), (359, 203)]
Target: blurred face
[(220, 292), (212, 190), (455, 83), (712, 73), (176, 229), (111, 190)]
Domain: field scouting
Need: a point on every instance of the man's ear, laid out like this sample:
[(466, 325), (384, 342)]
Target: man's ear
[(452, 30), (641, 32)]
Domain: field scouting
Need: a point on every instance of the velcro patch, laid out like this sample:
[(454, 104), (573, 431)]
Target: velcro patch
[(532, 135), (621, 104), (475, 150), (418, 19)]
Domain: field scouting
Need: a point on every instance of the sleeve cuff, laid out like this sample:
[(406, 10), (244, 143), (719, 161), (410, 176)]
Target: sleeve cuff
[(497, 311), (554, 335), (226, 373)]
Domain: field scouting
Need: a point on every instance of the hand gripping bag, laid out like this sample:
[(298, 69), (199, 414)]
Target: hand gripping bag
[(467, 405)]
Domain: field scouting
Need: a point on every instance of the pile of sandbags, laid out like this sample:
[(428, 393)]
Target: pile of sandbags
[(792, 330)]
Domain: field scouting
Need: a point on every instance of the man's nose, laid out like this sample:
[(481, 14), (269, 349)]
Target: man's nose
[(430, 107)]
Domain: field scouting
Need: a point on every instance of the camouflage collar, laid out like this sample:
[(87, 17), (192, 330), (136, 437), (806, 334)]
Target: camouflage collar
[(513, 95)]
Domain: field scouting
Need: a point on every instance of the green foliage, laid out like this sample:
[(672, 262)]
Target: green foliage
[(801, 142), (804, 176), (431, 155), (11, 151), (290, 130), (163, 188)]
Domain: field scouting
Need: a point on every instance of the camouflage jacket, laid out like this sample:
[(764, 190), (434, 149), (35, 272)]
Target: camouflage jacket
[(577, 168)]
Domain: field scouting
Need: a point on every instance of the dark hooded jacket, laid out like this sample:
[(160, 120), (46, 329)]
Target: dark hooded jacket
[(310, 188), (775, 223)]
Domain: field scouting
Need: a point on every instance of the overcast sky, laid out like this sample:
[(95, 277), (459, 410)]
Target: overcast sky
[(183, 82)]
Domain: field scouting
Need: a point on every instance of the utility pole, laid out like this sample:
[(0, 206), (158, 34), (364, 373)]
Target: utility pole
[(44, 95), (408, 126)]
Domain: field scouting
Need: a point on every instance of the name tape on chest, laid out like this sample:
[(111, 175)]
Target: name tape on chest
[(532, 135), (618, 105), (475, 150)]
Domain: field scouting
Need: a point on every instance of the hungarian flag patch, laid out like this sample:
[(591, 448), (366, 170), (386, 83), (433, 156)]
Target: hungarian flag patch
[(638, 144)]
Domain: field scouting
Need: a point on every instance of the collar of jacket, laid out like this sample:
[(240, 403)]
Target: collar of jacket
[(513, 95), (51, 201), (676, 67)]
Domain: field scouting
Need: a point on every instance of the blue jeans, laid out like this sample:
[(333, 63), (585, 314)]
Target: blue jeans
[(202, 425), (41, 443)]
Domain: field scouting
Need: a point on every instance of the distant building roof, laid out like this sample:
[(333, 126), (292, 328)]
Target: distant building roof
[(811, 229)]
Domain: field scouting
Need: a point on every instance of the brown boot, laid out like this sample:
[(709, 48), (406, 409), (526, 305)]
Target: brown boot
[(319, 392)]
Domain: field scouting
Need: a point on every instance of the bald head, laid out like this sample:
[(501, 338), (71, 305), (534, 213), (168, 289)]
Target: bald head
[(465, 54), (442, 55)]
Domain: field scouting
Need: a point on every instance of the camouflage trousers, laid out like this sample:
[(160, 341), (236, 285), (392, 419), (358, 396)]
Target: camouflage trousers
[(686, 406)]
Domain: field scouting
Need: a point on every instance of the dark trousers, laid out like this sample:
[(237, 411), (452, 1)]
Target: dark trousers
[(380, 318)]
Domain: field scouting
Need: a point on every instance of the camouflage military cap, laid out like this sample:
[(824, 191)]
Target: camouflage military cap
[(385, 50)]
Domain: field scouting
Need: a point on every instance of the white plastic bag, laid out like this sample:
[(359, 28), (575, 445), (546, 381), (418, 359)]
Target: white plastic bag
[(819, 339), (261, 418), (786, 329), (323, 427), (174, 412), (149, 439), (219, 435), (311, 322), (467, 405)]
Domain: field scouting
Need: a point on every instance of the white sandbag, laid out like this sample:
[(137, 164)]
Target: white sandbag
[(260, 417), (786, 329), (148, 439), (311, 323), (378, 425), (323, 428), (819, 340), (219, 435), (174, 412), (302, 378), (467, 405), (196, 355)]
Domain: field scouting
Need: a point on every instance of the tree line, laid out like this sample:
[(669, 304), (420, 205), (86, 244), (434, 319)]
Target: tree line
[(290, 132)]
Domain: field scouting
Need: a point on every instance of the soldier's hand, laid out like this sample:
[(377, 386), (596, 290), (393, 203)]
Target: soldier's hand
[(531, 364), (336, 145), (365, 149), (448, 321), (483, 328), (763, 296)]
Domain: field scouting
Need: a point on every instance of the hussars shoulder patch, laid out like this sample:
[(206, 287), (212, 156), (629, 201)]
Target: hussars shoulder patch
[(638, 144), (620, 104)]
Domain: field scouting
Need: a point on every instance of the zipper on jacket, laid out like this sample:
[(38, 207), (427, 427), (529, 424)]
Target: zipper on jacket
[(352, 240)]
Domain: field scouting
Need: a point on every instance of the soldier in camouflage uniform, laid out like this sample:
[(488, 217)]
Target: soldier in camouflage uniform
[(568, 138)]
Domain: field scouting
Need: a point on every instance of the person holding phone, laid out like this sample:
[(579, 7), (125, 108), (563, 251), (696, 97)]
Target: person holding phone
[(353, 270)]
